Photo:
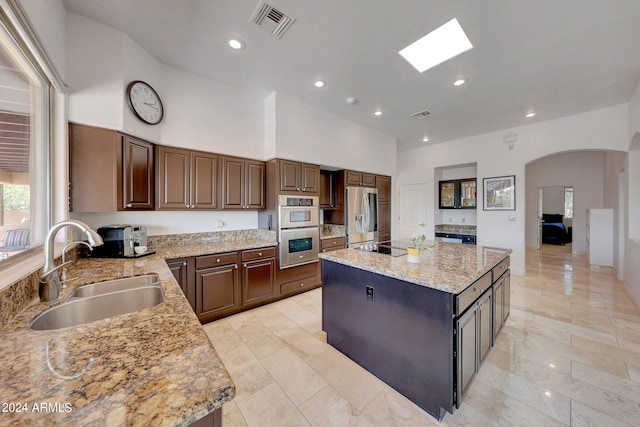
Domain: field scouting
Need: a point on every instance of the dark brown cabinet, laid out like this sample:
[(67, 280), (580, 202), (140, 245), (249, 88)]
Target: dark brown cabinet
[(327, 190), (109, 171), (360, 178), (217, 283), (383, 184), (182, 269), (243, 183), (186, 179), (458, 194), (502, 302), (332, 244), (296, 177), (258, 275)]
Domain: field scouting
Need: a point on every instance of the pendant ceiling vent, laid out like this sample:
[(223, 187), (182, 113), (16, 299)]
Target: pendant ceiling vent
[(421, 114), (272, 19)]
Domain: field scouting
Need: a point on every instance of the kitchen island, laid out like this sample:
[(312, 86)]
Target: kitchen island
[(423, 328)]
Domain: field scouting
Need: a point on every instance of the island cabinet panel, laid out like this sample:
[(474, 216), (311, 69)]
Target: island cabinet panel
[(400, 332)]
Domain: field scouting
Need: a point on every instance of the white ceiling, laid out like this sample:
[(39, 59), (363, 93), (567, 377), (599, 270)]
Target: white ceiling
[(554, 57)]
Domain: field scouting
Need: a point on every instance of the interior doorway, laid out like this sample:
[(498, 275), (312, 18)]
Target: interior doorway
[(555, 218)]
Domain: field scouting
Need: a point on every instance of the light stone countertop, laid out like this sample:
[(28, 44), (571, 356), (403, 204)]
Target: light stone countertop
[(331, 235), (151, 367), (449, 267)]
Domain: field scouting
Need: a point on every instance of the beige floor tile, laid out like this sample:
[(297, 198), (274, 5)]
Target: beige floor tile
[(231, 415), (612, 383), (246, 371), (328, 409), (304, 344), (577, 330), (270, 407), (223, 337), (294, 376), (467, 415), (517, 414), (631, 345), (486, 399), (391, 409), (357, 385), (305, 319), (260, 339), (585, 416), (634, 372), (517, 350)]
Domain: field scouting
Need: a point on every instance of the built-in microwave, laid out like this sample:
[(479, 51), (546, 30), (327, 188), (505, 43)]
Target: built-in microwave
[(296, 212)]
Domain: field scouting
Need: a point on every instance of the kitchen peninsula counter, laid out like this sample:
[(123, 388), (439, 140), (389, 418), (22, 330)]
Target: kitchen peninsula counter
[(151, 367), (424, 328)]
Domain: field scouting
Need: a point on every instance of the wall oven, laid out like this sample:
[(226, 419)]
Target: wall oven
[(298, 230)]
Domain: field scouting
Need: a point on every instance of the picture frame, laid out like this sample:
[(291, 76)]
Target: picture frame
[(499, 193)]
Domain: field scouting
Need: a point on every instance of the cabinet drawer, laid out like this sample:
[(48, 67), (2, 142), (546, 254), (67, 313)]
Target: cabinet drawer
[(328, 244), (296, 285), (499, 269), (216, 260), (472, 293), (258, 253)]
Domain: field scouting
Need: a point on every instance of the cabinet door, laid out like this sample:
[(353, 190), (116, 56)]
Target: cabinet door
[(384, 221), (173, 178), (254, 185), (447, 194), (467, 352), (368, 180), (468, 194), (485, 326), (498, 304), (383, 184), (506, 307), (204, 172), (354, 178), (289, 176), (258, 280), (179, 268), (138, 178), (326, 200), (217, 291), (233, 177), (310, 178)]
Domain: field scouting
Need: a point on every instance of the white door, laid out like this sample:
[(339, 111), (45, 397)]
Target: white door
[(413, 210)]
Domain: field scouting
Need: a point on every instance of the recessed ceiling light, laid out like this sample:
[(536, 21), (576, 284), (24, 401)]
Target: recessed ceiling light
[(234, 42), (440, 45), (319, 84), (461, 81), (425, 139), (530, 114), (377, 113), (352, 101)]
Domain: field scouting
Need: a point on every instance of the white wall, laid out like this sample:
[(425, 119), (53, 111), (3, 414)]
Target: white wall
[(584, 171), (600, 129), (306, 133), (47, 17), (204, 115)]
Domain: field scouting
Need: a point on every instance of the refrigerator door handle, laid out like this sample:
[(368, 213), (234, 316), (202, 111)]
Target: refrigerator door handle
[(365, 209)]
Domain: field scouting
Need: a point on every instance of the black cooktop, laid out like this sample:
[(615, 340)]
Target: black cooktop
[(389, 247)]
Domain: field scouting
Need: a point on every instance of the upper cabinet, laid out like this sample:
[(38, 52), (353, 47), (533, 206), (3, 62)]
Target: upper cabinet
[(186, 179), (243, 183), (298, 177), (109, 171), (458, 194), (383, 184), (360, 178)]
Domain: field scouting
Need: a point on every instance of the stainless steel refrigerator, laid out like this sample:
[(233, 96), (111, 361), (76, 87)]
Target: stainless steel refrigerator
[(361, 215)]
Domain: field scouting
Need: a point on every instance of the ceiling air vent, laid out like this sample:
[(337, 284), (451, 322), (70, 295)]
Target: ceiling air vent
[(421, 114), (272, 19)]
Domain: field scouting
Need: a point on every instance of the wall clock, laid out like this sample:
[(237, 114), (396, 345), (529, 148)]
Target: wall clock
[(145, 102)]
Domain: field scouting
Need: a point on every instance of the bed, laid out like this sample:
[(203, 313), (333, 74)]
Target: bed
[(554, 231)]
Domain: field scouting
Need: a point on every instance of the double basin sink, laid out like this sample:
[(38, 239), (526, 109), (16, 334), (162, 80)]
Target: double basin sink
[(102, 300)]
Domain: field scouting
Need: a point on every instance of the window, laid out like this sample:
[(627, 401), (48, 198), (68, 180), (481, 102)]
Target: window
[(568, 202), (24, 141)]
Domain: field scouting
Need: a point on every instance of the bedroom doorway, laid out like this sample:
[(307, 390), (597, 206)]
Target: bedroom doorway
[(555, 217)]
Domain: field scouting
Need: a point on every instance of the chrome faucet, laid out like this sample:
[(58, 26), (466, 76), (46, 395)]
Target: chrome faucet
[(50, 280)]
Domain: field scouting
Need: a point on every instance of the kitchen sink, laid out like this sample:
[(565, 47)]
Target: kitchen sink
[(78, 311), (117, 285)]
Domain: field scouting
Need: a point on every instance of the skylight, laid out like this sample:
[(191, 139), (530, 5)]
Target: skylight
[(440, 45)]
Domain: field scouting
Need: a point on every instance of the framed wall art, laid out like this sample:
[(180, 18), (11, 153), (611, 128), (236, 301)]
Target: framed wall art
[(499, 193)]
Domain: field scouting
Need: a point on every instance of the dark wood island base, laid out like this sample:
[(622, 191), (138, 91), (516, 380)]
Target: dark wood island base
[(425, 343)]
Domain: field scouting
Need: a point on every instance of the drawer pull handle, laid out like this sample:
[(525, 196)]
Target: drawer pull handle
[(301, 284), (184, 263), (259, 253), (218, 260)]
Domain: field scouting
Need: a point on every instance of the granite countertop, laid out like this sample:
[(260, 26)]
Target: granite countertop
[(449, 267), (469, 230), (151, 367), (331, 235)]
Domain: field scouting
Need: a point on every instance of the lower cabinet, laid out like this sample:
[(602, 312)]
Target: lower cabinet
[(258, 275), (182, 269), (502, 302), (217, 291), (474, 331), (332, 244)]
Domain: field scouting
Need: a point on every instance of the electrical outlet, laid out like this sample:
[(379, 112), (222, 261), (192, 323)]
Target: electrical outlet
[(369, 293), (512, 218)]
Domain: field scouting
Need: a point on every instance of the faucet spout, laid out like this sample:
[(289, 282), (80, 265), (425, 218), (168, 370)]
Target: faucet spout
[(50, 279)]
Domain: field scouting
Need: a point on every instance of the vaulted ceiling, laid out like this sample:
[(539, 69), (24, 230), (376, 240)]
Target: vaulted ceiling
[(553, 57)]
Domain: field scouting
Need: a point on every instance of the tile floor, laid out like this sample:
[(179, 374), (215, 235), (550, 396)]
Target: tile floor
[(568, 355)]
